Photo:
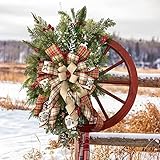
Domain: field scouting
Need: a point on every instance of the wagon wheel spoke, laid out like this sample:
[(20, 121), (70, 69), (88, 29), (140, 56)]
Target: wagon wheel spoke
[(107, 49), (110, 94), (101, 106), (111, 67)]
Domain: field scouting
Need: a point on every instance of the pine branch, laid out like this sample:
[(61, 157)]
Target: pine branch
[(73, 14), (35, 18), (81, 15), (109, 23), (62, 13)]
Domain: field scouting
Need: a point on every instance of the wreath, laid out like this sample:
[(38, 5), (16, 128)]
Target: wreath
[(62, 71)]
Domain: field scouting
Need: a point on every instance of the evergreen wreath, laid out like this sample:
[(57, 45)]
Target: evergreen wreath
[(62, 71)]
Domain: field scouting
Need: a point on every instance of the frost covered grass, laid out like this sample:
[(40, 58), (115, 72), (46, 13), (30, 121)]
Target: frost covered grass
[(143, 121), (8, 104)]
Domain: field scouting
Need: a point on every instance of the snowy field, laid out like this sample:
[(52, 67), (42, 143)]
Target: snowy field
[(18, 135)]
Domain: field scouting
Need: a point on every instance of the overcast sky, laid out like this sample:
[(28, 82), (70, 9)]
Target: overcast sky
[(134, 18)]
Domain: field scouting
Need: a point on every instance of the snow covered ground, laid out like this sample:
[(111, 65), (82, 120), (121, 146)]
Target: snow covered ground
[(18, 134)]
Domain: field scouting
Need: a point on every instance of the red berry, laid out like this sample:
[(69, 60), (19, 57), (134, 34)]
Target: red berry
[(44, 29), (49, 26), (36, 49), (52, 28), (104, 39)]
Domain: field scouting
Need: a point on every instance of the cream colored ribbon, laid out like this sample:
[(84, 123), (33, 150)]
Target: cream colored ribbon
[(72, 119)]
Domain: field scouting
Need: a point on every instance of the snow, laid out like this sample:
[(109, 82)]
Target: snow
[(12, 90), (95, 135), (18, 135)]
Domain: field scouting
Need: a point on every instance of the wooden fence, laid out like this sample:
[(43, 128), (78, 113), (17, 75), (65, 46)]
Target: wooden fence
[(126, 139)]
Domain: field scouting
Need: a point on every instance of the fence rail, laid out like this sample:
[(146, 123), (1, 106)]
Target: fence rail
[(126, 139)]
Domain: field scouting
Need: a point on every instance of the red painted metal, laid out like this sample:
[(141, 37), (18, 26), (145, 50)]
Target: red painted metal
[(132, 88)]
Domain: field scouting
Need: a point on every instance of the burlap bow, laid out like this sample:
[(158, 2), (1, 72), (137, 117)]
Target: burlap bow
[(60, 73)]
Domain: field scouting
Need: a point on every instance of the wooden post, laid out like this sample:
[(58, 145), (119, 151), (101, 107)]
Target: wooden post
[(82, 147)]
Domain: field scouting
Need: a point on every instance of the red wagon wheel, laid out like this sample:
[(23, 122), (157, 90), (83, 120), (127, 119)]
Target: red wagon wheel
[(132, 83)]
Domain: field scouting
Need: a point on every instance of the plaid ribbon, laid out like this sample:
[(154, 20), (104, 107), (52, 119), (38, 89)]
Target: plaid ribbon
[(94, 73), (48, 68), (39, 104), (83, 53), (81, 66), (53, 114), (98, 123), (49, 113), (83, 78), (57, 58), (54, 82), (54, 53), (93, 115), (74, 96), (53, 50), (84, 146), (72, 58), (39, 68), (54, 92), (87, 109)]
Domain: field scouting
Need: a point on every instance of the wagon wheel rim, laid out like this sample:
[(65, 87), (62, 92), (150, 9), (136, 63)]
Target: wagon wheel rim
[(132, 83)]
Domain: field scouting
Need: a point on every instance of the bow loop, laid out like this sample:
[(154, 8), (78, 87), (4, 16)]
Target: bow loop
[(48, 68), (72, 58), (82, 67), (39, 68), (83, 78), (54, 53), (94, 73), (41, 77), (83, 53)]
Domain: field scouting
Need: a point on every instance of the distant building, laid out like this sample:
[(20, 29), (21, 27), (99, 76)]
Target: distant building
[(156, 63), (143, 64), (22, 56)]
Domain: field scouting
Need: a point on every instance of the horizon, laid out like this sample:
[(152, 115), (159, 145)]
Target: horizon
[(135, 20)]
